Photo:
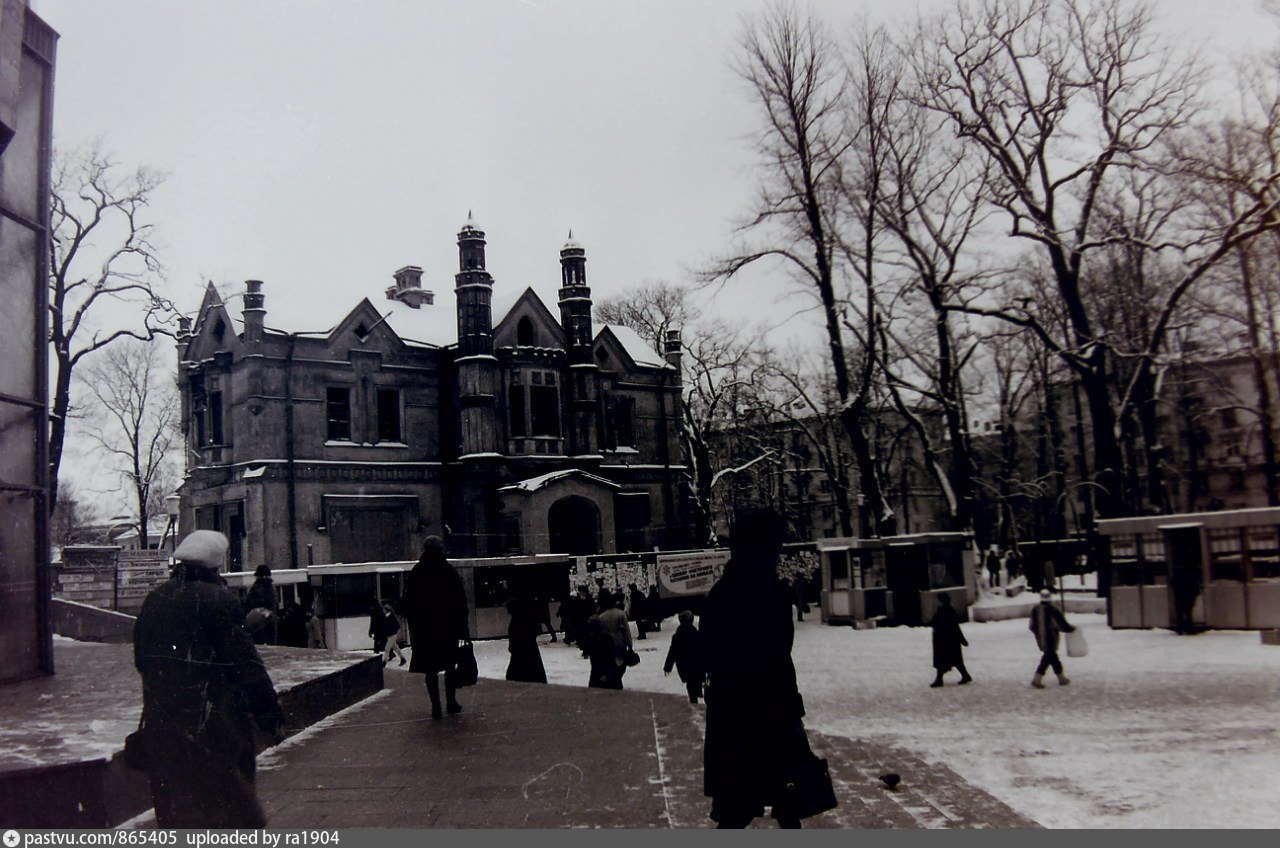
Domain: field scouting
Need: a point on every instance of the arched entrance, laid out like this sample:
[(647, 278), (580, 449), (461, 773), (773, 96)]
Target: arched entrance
[(573, 523)]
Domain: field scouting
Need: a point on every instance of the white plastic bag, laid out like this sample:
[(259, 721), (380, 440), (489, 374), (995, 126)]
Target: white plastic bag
[(1076, 645)]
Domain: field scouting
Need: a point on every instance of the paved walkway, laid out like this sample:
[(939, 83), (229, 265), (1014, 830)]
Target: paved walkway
[(544, 756)]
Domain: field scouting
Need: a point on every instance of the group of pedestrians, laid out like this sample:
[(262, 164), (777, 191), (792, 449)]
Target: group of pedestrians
[(288, 625)]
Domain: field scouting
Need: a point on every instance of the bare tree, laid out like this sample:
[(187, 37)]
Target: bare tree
[(1063, 99), (136, 421), (100, 257), (803, 216)]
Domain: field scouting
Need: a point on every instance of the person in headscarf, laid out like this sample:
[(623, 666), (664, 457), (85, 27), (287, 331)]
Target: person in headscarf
[(435, 602), (203, 687), (1047, 621), (755, 735)]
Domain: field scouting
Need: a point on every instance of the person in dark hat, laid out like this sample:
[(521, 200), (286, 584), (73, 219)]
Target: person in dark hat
[(685, 655), (203, 687), (262, 595), (435, 602)]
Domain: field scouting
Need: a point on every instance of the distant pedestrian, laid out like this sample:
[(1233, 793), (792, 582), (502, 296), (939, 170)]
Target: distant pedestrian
[(636, 611), (573, 614), (614, 622), (435, 603), (993, 567), (543, 609), (1186, 582), (522, 640), (315, 630), (397, 635), (597, 646), (377, 629), (1047, 621), (653, 607), (947, 642), (755, 738), (686, 656), (203, 687), (292, 630), (262, 595)]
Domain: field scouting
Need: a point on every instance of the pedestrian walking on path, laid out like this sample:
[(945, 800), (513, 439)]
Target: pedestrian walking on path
[(614, 622), (1047, 621), (397, 637), (203, 687), (315, 630), (947, 642), (522, 639), (756, 746), (435, 603), (262, 595), (598, 648), (686, 656)]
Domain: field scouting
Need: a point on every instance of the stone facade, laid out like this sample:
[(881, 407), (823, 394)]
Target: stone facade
[(536, 434)]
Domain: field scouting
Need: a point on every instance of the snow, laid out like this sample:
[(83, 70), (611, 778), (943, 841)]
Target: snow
[(533, 484), (636, 347), (1155, 730)]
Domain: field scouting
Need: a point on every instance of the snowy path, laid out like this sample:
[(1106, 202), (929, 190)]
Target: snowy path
[(1155, 730)]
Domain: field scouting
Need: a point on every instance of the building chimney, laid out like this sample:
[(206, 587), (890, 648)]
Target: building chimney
[(672, 349), (408, 288), (254, 311)]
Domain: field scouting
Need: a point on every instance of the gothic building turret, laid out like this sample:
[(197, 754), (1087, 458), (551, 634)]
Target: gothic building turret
[(477, 367), (575, 318)]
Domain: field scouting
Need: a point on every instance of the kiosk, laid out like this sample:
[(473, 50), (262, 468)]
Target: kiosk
[(1222, 567), (896, 579)]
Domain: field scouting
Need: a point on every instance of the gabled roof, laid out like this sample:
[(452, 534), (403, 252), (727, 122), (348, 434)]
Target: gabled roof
[(530, 301), (533, 484), (635, 347)]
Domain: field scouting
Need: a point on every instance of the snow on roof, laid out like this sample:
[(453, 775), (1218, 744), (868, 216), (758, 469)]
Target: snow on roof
[(533, 484), (435, 325), (636, 347)]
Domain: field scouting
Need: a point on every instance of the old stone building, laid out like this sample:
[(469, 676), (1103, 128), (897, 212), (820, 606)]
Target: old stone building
[(535, 433)]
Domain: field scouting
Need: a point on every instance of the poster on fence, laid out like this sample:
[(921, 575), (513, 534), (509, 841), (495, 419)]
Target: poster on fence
[(681, 575)]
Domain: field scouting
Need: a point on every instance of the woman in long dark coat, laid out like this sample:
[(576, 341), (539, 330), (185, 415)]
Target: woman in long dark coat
[(755, 735), (947, 642), (435, 602), (522, 640)]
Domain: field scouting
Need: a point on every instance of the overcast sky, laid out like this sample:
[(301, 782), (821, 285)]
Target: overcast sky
[(319, 146)]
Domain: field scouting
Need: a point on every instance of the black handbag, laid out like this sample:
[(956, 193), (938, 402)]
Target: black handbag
[(808, 791), (465, 670), (135, 750), (631, 658)]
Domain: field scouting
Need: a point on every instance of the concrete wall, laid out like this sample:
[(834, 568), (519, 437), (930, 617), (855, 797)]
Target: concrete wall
[(86, 623)]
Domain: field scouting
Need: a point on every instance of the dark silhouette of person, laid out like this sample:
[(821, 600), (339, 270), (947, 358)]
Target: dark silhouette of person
[(947, 642), (614, 622), (1047, 621), (598, 647), (203, 688), (435, 602), (755, 736), (522, 639), (653, 607), (638, 613), (686, 656), (376, 628), (1186, 584), (292, 630), (573, 613), (262, 595)]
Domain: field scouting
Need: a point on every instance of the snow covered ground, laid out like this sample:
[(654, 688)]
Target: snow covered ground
[(1155, 730)]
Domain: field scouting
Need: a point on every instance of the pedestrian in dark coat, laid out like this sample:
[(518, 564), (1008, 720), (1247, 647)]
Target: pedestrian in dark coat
[(262, 595), (685, 655), (292, 629), (637, 613), (435, 603), (203, 688), (755, 737), (947, 642), (1047, 621), (377, 627), (598, 646), (573, 614), (522, 640), (654, 609), (614, 622)]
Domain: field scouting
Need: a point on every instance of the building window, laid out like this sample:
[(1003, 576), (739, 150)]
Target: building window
[(389, 415), (1228, 417), (524, 332), (516, 406), (338, 412), (620, 420), (544, 410), (199, 414), (824, 486), (216, 435)]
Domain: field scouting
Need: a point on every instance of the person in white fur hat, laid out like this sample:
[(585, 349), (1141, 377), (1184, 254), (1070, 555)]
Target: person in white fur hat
[(203, 687)]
